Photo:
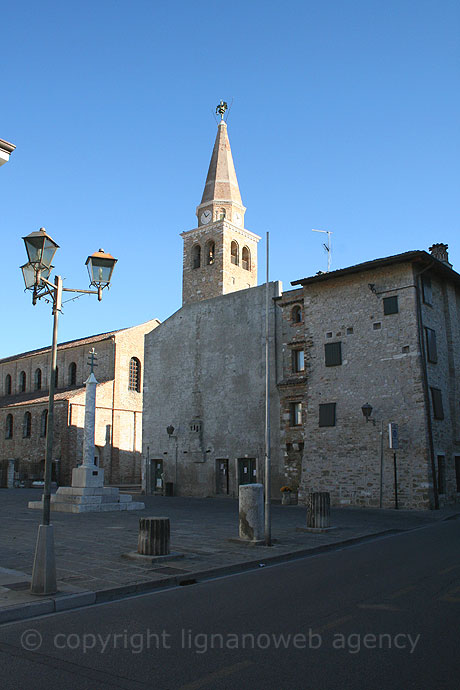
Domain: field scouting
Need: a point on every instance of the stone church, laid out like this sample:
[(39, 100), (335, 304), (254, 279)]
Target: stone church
[(380, 338), (24, 408)]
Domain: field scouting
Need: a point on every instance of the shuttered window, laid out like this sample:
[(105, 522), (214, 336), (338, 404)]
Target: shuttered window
[(327, 414), (427, 293), (333, 354), (390, 305), (436, 398), (431, 349)]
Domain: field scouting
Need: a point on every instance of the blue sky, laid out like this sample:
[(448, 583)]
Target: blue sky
[(345, 117)]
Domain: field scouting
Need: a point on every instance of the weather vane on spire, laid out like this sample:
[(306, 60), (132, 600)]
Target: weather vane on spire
[(221, 108)]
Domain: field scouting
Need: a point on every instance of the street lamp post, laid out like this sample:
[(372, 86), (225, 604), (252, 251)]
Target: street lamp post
[(367, 411), (41, 249)]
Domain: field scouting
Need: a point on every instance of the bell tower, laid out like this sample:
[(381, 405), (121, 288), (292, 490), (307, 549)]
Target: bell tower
[(220, 255)]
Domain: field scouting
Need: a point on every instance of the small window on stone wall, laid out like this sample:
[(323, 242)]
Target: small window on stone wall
[(196, 256), (246, 259), (234, 253), (333, 354), (431, 349), (44, 423), (390, 305), (427, 292), (436, 399), (295, 414), (72, 374), (296, 314), (22, 381), (38, 379), (9, 426), (27, 425), (327, 414), (298, 361), (8, 385), (134, 383)]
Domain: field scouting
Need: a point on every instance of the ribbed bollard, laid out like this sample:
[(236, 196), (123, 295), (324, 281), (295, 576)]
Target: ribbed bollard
[(319, 510), (251, 512), (154, 534)]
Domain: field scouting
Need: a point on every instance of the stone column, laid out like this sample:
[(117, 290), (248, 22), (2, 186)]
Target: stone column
[(319, 510), (90, 421), (251, 512), (88, 475), (154, 536)]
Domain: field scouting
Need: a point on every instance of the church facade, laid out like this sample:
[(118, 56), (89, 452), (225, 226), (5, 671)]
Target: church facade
[(24, 408), (382, 337)]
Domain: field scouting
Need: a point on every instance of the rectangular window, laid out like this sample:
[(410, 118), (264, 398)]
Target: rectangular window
[(457, 472), (333, 354), (327, 414), (441, 474), (390, 305), (298, 361), (295, 413), (431, 349), (436, 398), (427, 292)]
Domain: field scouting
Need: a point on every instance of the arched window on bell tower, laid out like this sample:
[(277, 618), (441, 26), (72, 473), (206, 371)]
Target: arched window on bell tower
[(196, 256), (210, 252), (235, 253), (221, 213), (246, 259)]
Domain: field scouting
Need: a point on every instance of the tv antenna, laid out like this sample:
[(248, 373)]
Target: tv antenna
[(327, 246)]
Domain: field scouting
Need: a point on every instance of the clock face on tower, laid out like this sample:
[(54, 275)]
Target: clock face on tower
[(206, 216), (237, 218)]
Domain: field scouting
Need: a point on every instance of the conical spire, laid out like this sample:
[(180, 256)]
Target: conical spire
[(221, 183)]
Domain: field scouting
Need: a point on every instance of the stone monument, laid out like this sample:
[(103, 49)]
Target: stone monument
[(88, 493)]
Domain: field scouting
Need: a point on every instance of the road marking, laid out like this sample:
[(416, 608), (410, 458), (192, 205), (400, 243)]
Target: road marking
[(332, 624), (381, 607), (401, 592), (450, 596), (226, 671)]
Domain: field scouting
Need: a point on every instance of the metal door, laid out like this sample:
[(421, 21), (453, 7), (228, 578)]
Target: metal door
[(222, 476), (247, 471)]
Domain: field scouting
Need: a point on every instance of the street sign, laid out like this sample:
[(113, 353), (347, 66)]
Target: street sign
[(393, 436)]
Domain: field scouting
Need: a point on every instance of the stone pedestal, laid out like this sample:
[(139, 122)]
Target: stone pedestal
[(88, 493), (251, 513), (154, 536)]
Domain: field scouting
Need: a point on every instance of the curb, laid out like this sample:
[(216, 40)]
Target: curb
[(87, 598)]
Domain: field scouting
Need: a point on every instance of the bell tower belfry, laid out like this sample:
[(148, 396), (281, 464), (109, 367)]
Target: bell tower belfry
[(220, 255)]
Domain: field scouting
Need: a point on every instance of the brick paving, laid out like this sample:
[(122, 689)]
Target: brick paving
[(89, 547)]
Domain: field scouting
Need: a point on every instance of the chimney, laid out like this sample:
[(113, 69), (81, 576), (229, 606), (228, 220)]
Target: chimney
[(439, 251)]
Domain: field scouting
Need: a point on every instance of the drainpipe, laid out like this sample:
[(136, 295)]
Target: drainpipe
[(418, 292)]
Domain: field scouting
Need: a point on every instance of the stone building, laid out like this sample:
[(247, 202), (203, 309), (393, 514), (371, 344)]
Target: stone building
[(24, 408), (385, 332), (204, 366)]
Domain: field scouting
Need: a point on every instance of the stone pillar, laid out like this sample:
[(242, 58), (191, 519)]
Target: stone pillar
[(319, 510), (154, 536), (90, 421), (251, 512), (88, 475)]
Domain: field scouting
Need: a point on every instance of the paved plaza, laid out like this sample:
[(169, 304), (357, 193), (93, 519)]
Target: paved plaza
[(90, 547)]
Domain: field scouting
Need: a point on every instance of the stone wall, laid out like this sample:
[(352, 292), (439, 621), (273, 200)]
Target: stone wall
[(205, 376)]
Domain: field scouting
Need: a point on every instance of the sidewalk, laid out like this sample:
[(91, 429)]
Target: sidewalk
[(89, 547)]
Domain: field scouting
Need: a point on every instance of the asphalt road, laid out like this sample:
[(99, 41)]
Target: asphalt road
[(384, 614)]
